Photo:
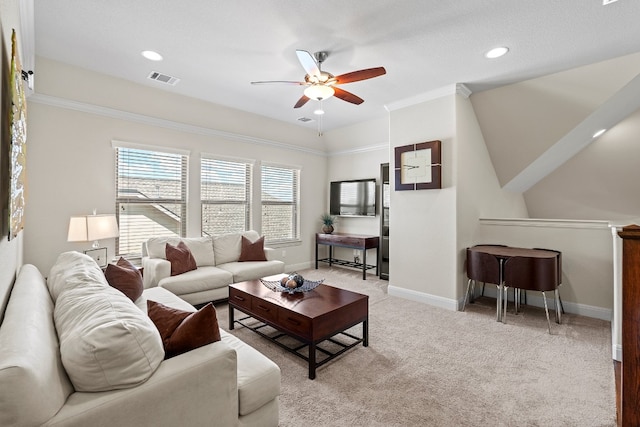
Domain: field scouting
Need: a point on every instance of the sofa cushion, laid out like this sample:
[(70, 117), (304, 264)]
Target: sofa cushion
[(251, 270), (73, 269), (201, 248), (180, 258), (125, 277), (227, 247), (106, 342), (252, 251), (258, 376), (201, 279), (182, 331), (34, 385)]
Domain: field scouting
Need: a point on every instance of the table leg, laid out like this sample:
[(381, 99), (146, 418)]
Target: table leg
[(330, 255), (316, 255), (365, 333), (364, 264), (231, 322), (377, 263), (312, 361), (500, 290)]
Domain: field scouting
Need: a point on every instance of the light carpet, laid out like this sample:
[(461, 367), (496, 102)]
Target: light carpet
[(427, 366)]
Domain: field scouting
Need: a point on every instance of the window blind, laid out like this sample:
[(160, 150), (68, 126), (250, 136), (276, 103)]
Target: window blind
[(151, 197), (280, 203), (225, 194)]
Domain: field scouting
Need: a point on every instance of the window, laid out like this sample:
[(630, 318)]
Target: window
[(225, 193), (280, 203), (151, 196)]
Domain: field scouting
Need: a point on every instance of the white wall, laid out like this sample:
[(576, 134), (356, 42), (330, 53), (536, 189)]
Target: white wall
[(431, 228), (422, 242), (478, 191), (72, 164), (587, 257), (357, 153)]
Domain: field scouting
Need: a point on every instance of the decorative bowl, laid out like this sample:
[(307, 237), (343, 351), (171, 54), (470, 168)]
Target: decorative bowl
[(306, 286)]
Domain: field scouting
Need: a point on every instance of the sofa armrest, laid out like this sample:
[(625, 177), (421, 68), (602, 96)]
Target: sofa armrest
[(270, 254), (202, 383), (155, 269)]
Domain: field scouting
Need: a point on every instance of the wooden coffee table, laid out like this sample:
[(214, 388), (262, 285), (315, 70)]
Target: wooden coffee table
[(310, 317)]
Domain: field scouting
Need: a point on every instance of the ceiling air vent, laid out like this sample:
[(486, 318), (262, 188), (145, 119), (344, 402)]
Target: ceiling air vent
[(305, 119), (163, 78)]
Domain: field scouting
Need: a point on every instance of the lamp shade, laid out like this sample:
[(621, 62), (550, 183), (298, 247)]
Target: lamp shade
[(319, 92), (92, 227)]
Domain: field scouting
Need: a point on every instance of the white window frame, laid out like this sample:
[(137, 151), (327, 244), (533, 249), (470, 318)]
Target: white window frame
[(248, 164), (295, 203), (159, 201)]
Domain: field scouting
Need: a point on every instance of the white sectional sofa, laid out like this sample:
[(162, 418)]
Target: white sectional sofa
[(217, 259), (47, 325)]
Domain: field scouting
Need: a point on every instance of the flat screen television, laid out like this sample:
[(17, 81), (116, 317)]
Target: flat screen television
[(353, 198)]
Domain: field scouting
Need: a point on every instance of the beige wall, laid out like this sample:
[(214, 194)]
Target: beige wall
[(587, 257), (72, 164), (422, 240), (356, 153), (478, 191)]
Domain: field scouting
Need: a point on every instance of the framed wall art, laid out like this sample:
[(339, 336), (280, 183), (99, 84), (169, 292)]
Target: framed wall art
[(17, 155)]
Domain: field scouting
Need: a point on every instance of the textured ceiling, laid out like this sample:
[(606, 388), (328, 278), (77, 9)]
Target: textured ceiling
[(217, 48)]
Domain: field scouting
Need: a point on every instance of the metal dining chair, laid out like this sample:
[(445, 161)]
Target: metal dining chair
[(533, 274), (484, 268)]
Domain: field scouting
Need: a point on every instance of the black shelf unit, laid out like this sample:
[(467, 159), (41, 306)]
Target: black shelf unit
[(383, 251)]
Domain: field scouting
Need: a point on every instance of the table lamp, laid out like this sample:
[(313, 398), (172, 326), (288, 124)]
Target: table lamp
[(86, 228)]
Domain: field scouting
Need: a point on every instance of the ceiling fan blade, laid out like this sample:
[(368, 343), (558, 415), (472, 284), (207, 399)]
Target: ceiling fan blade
[(308, 62), (347, 96), (356, 76), (286, 82), (303, 100)]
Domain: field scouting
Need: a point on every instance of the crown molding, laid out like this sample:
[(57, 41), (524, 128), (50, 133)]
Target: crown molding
[(360, 150), (113, 113), (453, 89)]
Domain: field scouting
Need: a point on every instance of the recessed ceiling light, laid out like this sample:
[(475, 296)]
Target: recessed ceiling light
[(151, 55), (319, 112), (600, 132), (496, 52)]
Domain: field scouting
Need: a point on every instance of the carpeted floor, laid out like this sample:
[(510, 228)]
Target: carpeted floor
[(427, 366)]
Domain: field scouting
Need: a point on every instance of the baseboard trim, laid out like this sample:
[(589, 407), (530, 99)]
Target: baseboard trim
[(290, 268), (616, 351), (569, 307), (437, 301), (533, 300)]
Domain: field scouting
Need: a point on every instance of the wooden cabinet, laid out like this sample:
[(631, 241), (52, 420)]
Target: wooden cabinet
[(383, 251), (630, 398)]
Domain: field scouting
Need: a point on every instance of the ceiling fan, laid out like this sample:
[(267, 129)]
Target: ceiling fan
[(321, 84)]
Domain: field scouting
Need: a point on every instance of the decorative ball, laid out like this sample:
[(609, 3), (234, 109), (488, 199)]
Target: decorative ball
[(298, 279), (284, 281), (292, 284)]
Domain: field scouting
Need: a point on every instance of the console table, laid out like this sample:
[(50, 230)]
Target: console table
[(353, 241)]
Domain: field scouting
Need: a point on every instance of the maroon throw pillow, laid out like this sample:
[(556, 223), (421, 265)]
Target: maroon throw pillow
[(182, 331), (252, 251), (126, 278), (180, 258)]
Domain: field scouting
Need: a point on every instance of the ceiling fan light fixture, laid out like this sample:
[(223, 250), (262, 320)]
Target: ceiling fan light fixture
[(319, 92)]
